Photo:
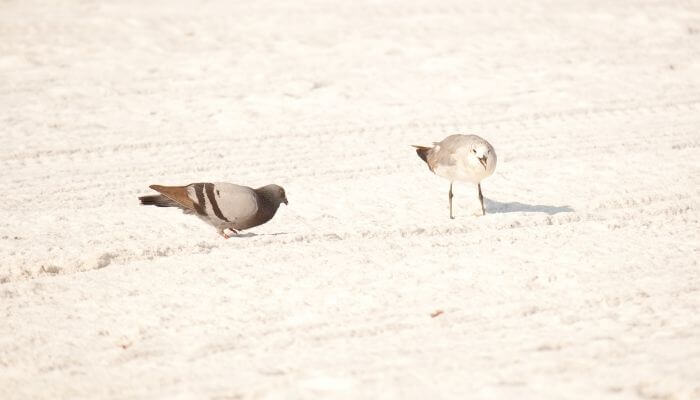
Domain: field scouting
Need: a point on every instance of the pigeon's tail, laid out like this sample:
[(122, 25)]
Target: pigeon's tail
[(422, 152), (157, 200)]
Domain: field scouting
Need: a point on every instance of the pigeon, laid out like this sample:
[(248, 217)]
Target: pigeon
[(226, 206), (463, 158)]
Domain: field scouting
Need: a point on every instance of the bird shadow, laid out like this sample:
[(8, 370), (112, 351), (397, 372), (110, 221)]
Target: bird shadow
[(251, 234), (493, 206)]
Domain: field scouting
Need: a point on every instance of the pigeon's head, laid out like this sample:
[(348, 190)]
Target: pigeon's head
[(275, 193), (283, 195)]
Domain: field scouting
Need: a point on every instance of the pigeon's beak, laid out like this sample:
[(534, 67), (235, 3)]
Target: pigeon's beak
[(482, 160), (285, 201)]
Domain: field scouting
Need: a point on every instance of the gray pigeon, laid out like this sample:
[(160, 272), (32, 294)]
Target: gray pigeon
[(464, 158), (223, 205)]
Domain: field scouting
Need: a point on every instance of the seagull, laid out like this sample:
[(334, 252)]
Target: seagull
[(463, 158), (226, 206)]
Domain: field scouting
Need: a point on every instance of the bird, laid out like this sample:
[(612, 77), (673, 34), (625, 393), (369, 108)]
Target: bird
[(463, 158), (226, 206)]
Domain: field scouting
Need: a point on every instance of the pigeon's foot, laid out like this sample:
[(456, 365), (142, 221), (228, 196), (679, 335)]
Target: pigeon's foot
[(223, 233)]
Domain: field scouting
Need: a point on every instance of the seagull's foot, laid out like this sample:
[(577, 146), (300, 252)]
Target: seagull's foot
[(478, 212)]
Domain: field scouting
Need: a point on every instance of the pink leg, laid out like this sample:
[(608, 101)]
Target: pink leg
[(222, 232)]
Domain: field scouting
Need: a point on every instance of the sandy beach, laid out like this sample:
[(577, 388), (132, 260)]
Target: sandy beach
[(580, 282)]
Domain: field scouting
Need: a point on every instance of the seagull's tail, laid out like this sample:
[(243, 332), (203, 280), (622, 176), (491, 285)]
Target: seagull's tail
[(422, 152)]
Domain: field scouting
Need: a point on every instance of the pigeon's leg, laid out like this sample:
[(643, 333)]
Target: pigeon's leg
[(450, 196), (222, 232), (481, 199)]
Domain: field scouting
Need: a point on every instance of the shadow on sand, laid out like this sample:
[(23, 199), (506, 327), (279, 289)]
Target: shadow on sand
[(251, 234), (493, 206)]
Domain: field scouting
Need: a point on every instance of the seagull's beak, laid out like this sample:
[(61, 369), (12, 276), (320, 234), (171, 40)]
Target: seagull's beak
[(482, 160), (285, 201)]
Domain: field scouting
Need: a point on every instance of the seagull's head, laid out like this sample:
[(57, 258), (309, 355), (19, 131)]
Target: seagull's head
[(481, 153)]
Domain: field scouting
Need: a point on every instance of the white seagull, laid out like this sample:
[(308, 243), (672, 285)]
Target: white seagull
[(462, 158)]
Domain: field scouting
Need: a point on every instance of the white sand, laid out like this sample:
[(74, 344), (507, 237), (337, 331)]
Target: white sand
[(581, 282)]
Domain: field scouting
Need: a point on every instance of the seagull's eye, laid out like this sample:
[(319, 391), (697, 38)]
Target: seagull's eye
[(474, 151)]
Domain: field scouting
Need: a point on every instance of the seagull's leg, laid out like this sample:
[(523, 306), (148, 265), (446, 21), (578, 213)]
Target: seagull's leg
[(450, 196), (481, 199)]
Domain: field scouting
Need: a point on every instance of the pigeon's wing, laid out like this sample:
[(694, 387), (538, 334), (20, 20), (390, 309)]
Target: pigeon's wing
[(178, 194), (232, 202)]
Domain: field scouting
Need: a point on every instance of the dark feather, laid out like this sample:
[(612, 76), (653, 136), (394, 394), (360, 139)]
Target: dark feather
[(157, 200), (422, 152)]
